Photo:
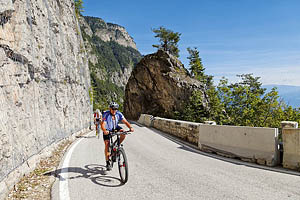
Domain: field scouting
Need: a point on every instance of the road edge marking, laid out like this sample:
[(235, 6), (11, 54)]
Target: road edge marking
[(63, 179)]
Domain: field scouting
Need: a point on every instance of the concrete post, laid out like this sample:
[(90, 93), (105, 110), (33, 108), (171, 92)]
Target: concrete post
[(289, 124)]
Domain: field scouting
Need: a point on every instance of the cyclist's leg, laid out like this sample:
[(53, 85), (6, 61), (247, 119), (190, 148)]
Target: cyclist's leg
[(96, 128), (122, 137), (106, 142)]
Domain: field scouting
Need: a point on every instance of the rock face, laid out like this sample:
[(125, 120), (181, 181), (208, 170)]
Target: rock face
[(44, 78), (159, 86), (110, 32), (112, 54)]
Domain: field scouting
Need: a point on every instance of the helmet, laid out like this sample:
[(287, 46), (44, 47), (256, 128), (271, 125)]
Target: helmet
[(114, 105), (97, 111)]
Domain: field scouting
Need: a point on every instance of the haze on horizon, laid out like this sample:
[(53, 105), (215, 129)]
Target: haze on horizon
[(233, 37)]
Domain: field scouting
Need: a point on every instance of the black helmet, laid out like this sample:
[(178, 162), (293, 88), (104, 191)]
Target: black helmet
[(114, 105)]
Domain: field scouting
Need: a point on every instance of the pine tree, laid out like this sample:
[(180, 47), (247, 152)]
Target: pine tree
[(195, 64), (168, 40)]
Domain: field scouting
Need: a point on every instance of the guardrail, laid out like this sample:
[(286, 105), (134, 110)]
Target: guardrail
[(252, 144)]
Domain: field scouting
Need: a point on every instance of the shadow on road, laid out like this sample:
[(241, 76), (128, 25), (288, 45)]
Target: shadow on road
[(83, 136), (96, 173)]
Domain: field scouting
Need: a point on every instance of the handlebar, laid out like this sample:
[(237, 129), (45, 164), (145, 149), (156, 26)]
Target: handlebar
[(112, 133)]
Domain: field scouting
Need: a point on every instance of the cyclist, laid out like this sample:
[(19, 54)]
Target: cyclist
[(109, 122), (97, 119)]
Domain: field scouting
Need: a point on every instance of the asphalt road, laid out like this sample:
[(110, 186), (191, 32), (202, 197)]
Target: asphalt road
[(162, 168)]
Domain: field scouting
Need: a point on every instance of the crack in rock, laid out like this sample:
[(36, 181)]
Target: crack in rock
[(6, 10), (18, 58)]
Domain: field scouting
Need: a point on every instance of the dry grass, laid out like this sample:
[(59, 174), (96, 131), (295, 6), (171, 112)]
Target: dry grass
[(37, 185)]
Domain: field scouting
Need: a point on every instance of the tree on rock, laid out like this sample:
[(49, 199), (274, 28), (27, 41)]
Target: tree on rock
[(168, 40), (197, 68)]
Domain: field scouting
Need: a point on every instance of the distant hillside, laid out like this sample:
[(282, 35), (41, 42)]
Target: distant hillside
[(290, 94), (112, 54)]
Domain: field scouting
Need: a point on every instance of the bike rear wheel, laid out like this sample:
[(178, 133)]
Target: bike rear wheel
[(123, 165)]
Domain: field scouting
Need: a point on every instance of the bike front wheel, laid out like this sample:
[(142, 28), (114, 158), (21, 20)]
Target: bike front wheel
[(123, 165)]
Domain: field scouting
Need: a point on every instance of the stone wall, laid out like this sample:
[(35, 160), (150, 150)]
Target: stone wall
[(187, 131), (44, 78)]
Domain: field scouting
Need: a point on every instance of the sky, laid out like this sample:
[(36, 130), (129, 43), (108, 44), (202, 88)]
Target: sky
[(233, 36)]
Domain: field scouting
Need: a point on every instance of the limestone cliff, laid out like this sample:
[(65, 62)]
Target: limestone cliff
[(44, 78), (159, 85), (110, 32), (112, 55)]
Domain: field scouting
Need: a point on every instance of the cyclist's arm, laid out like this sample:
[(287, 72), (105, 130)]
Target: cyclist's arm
[(103, 127), (127, 124)]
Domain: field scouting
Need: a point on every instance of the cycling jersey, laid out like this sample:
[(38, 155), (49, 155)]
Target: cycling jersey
[(97, 115), (110, 123)]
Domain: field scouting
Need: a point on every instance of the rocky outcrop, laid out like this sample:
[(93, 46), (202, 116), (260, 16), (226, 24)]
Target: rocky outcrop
[(44, 78), (159, 86)]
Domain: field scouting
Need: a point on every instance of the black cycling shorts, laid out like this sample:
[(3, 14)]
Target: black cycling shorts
[(106, 137)]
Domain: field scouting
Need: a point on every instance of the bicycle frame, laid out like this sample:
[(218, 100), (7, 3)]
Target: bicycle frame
[(112, 146), (117, 154)]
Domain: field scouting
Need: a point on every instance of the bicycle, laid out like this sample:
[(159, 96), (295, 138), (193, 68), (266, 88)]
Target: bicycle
[(98, 133), (98, 129), (117, 154)]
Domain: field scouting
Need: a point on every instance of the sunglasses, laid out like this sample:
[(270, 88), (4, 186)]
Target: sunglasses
[(114, 109)]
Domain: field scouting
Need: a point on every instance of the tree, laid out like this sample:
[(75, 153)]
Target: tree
[(168, 40), (197, 69), (78, 7), (194, 110), (195, 64), (247, 104)]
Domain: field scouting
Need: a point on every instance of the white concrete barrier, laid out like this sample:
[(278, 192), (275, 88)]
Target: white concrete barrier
[(141, 119), (289, 124), (252, 144), (259, 145), (148, 120), (291, 147)]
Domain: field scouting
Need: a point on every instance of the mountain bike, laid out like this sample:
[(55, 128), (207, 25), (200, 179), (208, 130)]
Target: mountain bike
[(117, 154), (98, 130)]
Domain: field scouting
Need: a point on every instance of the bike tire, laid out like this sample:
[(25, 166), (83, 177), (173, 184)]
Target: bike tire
[(123, 165)]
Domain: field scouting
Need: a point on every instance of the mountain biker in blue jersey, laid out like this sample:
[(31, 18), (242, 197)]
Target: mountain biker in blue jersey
[(110, 120)]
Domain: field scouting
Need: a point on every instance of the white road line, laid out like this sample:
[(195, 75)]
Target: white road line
[(63, 180)]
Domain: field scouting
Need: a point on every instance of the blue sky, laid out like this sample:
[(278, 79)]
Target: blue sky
[(233, 36)]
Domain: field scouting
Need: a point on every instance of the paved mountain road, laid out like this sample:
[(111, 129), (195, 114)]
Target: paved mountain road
[(160, 168)]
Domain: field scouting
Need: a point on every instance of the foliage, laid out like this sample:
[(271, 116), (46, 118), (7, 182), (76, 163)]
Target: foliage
[(195, 64), (111, 58), (247, 104), (197, 69), (244, 103), (194, 110), (105, 92), (168, 40), (78, 7)]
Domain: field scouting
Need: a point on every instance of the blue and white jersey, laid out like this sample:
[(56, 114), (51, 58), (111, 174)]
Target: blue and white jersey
[(110, 123)]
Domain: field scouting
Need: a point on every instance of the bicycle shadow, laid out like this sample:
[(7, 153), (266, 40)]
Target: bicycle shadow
[(91, 172), (86, 136)]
